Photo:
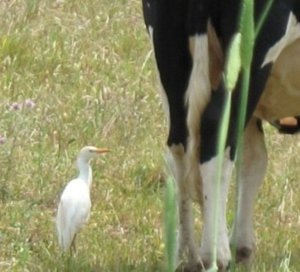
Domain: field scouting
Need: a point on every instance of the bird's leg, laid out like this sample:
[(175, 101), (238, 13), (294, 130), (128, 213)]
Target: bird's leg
[(73, 246)]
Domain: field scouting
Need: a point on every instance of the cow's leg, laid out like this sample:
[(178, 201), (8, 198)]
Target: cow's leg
[(214, 195), (183, 66), (185, 241), (251, 174), (197, 96)]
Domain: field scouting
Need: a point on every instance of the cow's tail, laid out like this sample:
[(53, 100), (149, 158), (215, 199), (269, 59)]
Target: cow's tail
[(205, 76)]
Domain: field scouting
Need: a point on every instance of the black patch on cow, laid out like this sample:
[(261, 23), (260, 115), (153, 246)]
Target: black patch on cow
[(169, 21)]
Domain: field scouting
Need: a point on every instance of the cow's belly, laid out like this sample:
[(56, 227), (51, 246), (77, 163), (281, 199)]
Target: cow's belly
[(281, 97)]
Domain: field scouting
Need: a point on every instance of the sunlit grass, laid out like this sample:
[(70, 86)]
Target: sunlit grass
[(77, 62), (80, 62)]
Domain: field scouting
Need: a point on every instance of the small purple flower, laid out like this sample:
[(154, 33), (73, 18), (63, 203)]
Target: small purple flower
[(15, 106), (30, 104), (2, 140)]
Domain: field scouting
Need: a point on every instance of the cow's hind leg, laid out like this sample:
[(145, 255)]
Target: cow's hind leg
[(185, 241), (251, 174), (170, 40), (215, 234)]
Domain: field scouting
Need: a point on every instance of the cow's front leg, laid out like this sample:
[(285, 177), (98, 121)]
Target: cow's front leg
[(251, 174), (215, 235), (186, 245)]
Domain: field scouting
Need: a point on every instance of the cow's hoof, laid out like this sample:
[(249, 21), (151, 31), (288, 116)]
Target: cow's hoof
[(198, 267), (221, 267), (190, 267), (243, 255), (223, 260)]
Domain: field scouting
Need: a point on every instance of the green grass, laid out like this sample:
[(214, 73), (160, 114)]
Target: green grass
[(85, 65)]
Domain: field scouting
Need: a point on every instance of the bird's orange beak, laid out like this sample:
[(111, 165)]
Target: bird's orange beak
[(102, 150)]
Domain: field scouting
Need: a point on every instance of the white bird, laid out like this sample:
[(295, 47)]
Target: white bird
[(75, 202)]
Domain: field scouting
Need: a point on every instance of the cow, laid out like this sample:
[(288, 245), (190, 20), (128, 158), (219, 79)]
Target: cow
[(190, 40)]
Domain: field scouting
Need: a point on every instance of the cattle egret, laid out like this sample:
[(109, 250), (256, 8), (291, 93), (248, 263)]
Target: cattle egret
[(75, 202)]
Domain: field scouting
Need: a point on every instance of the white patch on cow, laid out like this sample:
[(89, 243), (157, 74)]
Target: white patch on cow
[(197, 96), (210, 190), (199, 87), (292, 34), (162, 91), (176, 159), (251, 175)]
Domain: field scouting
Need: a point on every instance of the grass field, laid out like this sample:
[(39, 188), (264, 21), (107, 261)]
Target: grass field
[(74, 73)]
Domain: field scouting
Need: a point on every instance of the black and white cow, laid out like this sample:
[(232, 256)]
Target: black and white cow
[(190, 39)]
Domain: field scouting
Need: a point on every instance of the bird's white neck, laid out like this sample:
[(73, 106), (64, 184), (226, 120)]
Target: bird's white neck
[(85, 171)]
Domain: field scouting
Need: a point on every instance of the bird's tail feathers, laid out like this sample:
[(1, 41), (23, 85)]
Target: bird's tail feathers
[(64, 230)]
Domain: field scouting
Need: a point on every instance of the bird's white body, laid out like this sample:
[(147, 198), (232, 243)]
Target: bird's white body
[(73, 211), (75, 202)]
